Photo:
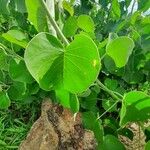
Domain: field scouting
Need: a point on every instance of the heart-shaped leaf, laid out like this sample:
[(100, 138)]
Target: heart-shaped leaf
[(120, 49), (74, 68)]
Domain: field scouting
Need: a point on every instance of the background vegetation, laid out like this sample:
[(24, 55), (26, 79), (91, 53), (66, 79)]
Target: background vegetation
[(119, 30)]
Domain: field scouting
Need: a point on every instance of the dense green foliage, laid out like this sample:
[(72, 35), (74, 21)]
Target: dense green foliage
[(98, 64)]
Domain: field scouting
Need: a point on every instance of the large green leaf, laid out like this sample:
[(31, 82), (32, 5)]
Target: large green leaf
[(112, 143), (4, 100), (86, 23), (120, 49), (74, 68), (19, 72), (135, 107), (36, 14)]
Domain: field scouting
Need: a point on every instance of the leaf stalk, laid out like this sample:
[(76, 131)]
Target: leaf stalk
[(54, 24)]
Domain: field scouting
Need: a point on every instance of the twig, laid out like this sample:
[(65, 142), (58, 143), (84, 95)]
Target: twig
[(51, 6), (54, 24)]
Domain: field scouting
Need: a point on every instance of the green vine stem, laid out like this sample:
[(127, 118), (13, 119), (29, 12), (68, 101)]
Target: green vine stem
[(54, 24), (61, 35), (51, 6), (108, 110), (108, 90)]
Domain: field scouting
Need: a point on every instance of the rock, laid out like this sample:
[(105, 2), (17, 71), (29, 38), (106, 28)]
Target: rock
[(138, 142), (56, 129)]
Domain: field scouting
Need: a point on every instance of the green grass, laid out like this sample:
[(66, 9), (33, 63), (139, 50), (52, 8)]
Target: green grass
[(16, 122)]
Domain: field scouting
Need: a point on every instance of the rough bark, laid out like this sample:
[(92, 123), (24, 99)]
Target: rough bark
[(57, 130)]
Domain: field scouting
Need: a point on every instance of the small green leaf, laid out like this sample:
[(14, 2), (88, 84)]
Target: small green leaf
[(111, 84), (37, 15), (4, 100), (70, 27), (17, 91), (89, 100), (116, 8), (135, 107), (16, 37), (120, 49), (67, 6), (112, 143), (74, 103), (33, 88), (86, 23), (19, 72), (74, 68)]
